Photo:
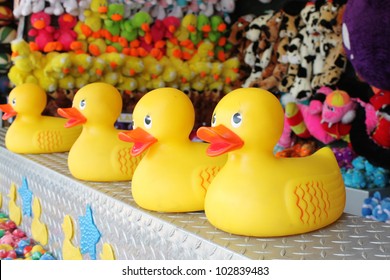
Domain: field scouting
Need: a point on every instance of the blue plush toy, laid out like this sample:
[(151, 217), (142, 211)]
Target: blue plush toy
[(377, 208), (369, 204), (365, 175)]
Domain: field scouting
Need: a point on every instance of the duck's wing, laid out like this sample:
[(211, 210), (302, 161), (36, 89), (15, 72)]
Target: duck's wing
[(203, 175), (123, 161), (55, 140), (315, 201)]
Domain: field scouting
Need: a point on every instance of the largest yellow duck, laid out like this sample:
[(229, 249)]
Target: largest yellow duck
[(31, 132), (98, 154), (175, 172), (255, 193)]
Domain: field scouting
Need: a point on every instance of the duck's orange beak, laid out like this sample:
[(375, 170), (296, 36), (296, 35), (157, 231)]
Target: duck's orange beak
[(221, 139), (73, 115), (9, 112), (141, 139)]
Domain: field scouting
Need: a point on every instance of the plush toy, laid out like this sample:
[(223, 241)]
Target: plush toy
[(83, 5), (80, 69), (331, 48), (59, 66), (365, 175), (24, 63), (287, 50), (269, 57), (65, 35), (344, 156), (226, 7), (141, 21), (237, 39), (27, 7), (23, 9), (47, 82), (113, 22), (310, 60), (96, 70), (54, 8), (337, 114), (365, 35), (42, 32), (71, 7), (94, 18), (306, 123)]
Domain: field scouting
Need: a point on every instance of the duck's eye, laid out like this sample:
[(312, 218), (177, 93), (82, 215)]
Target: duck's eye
[(236, 120), (13, 102), (82, 104), (148, 121), (213, 120)]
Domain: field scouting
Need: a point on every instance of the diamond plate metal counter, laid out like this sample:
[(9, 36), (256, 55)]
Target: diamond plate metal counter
[(135, 233)]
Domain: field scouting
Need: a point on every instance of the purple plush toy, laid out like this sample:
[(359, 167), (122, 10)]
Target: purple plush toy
[(366, 37)]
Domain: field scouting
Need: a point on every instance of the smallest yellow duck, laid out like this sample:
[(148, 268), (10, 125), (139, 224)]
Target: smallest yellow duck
[(31, 132), (255, 193), (98, 154)]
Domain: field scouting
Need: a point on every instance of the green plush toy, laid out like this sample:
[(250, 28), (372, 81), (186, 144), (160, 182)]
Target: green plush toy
[(114, 19), (218, 28)]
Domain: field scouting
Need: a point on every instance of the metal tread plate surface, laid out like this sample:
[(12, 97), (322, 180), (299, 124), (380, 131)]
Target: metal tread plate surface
[(135, 233)]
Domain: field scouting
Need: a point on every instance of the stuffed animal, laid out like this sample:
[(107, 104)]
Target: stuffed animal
[(24, 62), (309, 58), (80, 69), (71, 7), (65, 35), (59, 66), (113, 22), (27, 7), (337, 114), (331, 48), (365, 35), (270, 55), (226, 7), (237, 38), (287, 50), (43, 33), (54, 8), (94, 18)]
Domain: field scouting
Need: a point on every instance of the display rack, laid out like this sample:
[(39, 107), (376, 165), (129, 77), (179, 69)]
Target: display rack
[(135, 233)]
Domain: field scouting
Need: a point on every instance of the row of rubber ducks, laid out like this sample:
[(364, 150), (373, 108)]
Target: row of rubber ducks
[(243, 188), (71, 70)]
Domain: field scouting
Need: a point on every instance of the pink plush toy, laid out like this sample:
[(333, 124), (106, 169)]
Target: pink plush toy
[(337, 114), (42, 32), (65, 34)]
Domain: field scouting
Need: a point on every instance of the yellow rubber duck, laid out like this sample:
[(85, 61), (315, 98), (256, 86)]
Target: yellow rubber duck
[(31, 132), (98, 154), (255, 193), (175, 172)]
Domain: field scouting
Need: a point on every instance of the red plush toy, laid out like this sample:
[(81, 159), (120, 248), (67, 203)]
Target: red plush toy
[(65, 35), (43, 33)]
